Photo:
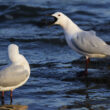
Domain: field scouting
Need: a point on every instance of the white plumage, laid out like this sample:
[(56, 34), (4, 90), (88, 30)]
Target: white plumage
[(83, 42), (15, 74)]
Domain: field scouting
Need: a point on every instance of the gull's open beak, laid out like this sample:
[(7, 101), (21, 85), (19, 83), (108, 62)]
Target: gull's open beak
[(50, 20)]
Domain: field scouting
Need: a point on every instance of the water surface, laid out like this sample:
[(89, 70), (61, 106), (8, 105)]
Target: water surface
[(53, 84)]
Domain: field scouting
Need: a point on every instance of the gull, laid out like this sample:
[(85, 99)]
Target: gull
[(16, 73), (83, 42)]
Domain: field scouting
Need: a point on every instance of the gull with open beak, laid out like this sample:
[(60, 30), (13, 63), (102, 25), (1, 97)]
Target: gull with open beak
[(83, 42)]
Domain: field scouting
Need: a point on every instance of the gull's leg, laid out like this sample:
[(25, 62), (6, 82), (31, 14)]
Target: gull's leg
[(2, 94), (2, 98), (85, 72), (87, 62), (11, 95)]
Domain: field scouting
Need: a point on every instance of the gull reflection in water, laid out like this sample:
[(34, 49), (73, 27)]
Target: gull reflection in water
[(89, 102), (4, 106), (13, 107)]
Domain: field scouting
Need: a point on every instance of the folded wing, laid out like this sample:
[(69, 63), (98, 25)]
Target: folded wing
[(12, 76), (88, 42)]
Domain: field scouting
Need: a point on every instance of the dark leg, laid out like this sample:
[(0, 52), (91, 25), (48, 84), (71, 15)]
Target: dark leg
[(86, 69), (85, 72), (11, 95), (2, 94), (2, 98)]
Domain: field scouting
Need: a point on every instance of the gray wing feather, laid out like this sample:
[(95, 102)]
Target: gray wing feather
[(88, 42), (12, 76)]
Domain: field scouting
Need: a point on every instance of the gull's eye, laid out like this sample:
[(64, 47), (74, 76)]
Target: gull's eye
[(59, 15)]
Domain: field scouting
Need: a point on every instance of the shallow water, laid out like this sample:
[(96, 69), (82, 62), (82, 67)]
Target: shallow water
[(53, 84)]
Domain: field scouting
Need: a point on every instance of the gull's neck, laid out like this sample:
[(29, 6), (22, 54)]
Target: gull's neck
[(70, 27), (25, 63), (19, 59)]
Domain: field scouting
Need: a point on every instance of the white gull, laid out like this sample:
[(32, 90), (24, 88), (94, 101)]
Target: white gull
[(16, 73), (83, 42)]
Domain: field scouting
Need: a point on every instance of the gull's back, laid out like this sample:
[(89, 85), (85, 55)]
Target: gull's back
[(88, 43), (17, 73), (13, 75)]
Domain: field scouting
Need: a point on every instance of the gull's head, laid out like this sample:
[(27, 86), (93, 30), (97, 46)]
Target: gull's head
[(58, 18), (13, 52)]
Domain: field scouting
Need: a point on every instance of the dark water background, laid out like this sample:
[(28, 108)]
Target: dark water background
[(53, 84)]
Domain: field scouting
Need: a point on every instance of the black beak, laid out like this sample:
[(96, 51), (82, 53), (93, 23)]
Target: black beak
[(46, 21), (50, 20)]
